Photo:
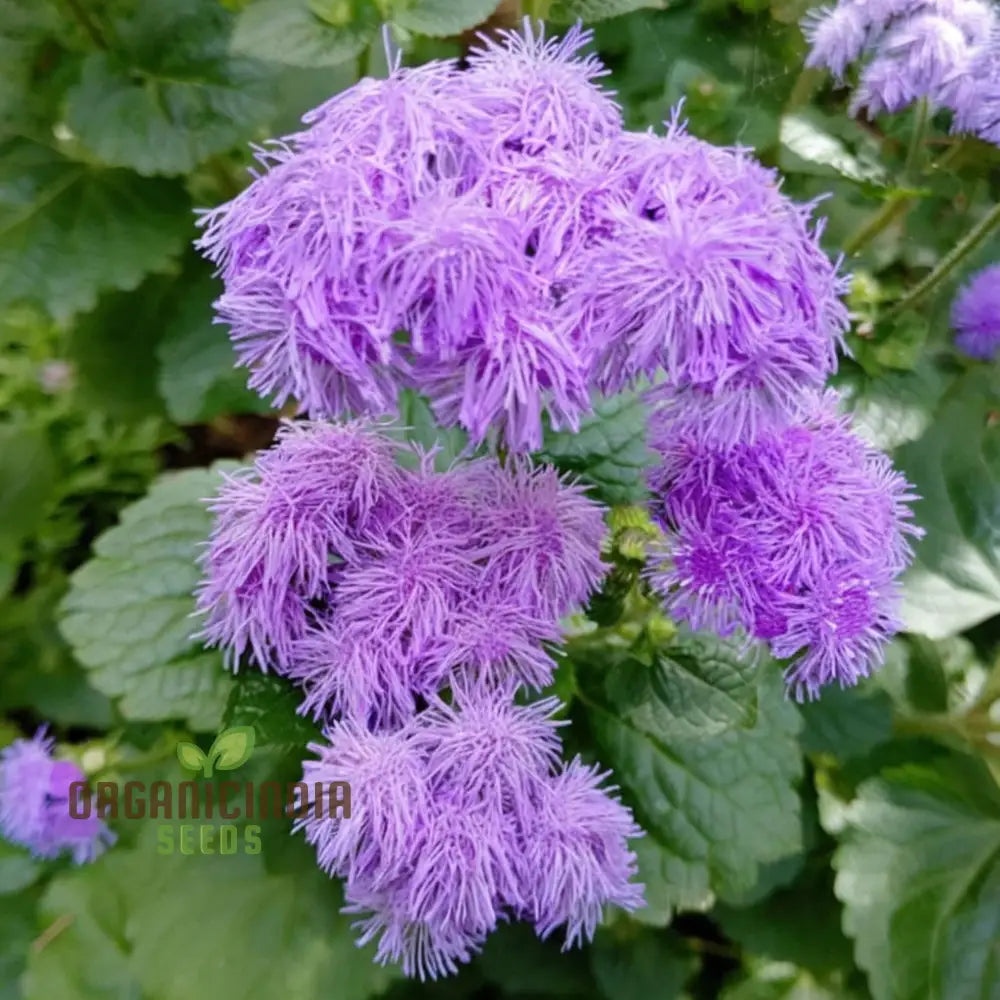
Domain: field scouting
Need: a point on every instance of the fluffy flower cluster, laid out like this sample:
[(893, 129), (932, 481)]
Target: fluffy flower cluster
[(975, 315), (373, 586), (947, 51), (797, 538), (462, 819), (35, 803), (492, 237)]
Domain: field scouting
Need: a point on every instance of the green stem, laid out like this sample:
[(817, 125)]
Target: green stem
[(537, 10), (916, 148), (87, 23), (893, 208), (951, 260)]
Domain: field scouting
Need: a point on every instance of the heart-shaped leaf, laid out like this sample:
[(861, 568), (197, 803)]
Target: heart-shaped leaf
[(191, 757), (232, 748)]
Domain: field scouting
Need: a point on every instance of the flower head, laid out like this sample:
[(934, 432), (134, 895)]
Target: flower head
[(976, 315), (797, 537), (577, 858), (282, 530), (35, 792), (538, 94), (712, 277), (907, 50)]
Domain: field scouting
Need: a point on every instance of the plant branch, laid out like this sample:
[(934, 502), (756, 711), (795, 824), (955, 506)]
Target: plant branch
[(950, 260), (87, 23)]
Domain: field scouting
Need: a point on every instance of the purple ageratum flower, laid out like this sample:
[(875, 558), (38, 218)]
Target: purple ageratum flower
[(463, 575), (798, 537), (906, 49), (542, 538), (35, 803), (713, 276), (577, 858), (281, 531), (441, 844), (975, 315), (538, 93)]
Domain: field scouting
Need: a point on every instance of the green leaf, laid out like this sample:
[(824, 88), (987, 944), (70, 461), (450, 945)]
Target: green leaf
[(781, 981), (894, 408), (86, 954), (17, 931), (232, 747), (69, 230), (609, 450), (441, 17), (568, 11), (116, 370), (705, 744), (286, 31), (416, 424), (191, 756), (128, 612), (918, 871), (519, 964), (955, 467), (18, 869), (163, 109), (639, 964), (799, 924), (27, 484), (807, 147), (198, 377), (846, 722), (269, 704)]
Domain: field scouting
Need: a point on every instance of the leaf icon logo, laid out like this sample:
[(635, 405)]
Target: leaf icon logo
[(232, 747)]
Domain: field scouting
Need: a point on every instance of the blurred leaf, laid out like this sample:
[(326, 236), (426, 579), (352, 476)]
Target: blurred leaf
[(286, 31), (416, 423), (609, 450), (162, 109), (894, 408), (807, 148), (128, 612), (846, 722), (198, 376), (567, 11), (955, 467), (28, 482), (69, 231), (798, 924), (17, 931), (269, 704), (641, 964), (705, 746), (918, 871), (18, 869), (441, 17), (515, 960), (86, 954), (781, 981), (113, 350)]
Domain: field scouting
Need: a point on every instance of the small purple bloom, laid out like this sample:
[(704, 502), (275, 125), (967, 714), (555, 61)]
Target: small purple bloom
[(460, 821), (282, 530), (975, 315), (908, 50), (35, 792), (713, 277), (538, 94), (798, 538), (577, 858)]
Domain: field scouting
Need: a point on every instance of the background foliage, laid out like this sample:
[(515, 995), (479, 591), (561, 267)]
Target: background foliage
[(845, 849)]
